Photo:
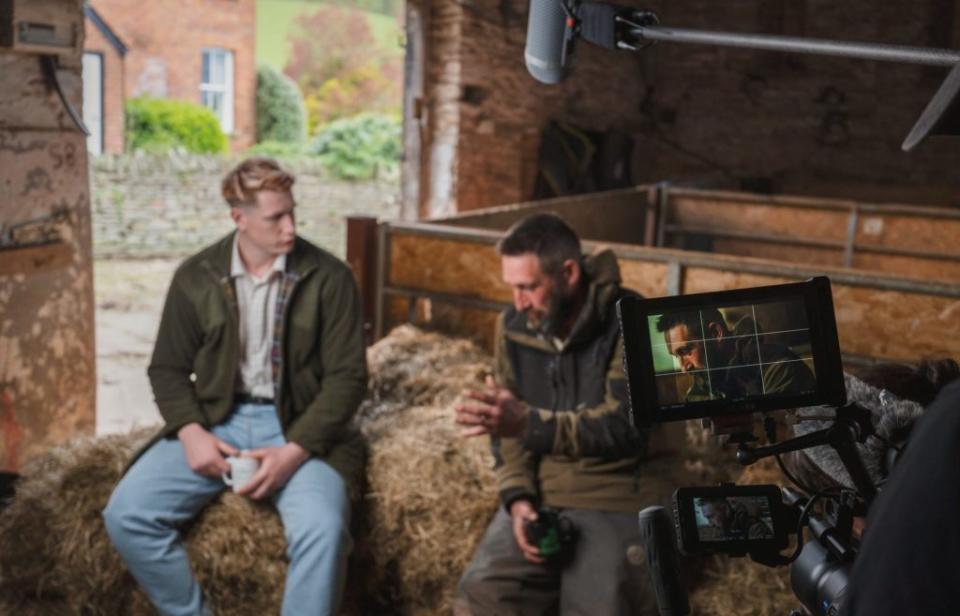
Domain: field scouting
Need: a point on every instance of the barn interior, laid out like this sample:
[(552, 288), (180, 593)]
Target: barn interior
[(703, 167)]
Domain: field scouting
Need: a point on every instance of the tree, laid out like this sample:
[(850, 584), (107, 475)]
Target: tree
[(281, 114), (339, 67)]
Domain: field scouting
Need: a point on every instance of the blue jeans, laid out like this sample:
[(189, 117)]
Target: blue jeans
[(160, 493)]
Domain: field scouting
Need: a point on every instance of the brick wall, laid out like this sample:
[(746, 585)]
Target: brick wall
[(113, 91), (707, 115), (171, 205), (166, 39)]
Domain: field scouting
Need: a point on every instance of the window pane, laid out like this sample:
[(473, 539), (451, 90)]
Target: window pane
[(205, 79)]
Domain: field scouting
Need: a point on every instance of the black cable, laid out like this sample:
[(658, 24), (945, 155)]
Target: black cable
[(49, 66), (793, 478)]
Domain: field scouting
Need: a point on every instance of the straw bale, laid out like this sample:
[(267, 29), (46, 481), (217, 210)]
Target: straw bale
[(741, 587), (56, 558), (431, 496), (411, 368), (430, 493), (428, 497)]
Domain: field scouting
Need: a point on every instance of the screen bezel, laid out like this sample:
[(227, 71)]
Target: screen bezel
[(638, 360), (688, 536)]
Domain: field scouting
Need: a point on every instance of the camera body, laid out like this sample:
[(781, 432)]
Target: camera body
[(552, 533)]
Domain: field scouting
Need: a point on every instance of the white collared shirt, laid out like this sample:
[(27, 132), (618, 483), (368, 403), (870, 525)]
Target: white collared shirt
[(256, 304)]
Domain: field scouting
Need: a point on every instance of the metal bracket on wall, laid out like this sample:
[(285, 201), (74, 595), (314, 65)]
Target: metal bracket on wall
[(34, 231)]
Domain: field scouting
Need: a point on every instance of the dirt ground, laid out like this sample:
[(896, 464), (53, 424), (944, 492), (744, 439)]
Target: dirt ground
[(129, 297)]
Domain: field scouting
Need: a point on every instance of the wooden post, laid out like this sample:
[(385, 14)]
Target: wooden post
[(362, 257)]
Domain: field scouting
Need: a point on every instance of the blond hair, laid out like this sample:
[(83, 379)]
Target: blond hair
[(241, 185)]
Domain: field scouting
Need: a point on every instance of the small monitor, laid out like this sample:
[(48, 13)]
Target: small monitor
[(730, 519)]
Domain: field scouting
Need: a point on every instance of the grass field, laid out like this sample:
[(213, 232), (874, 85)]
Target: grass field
[(275, 18)]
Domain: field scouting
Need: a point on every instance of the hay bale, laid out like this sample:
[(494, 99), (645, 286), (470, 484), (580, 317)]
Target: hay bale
[(55, 554), (412, 368), (431, 496), (430, 493), (429, 499)]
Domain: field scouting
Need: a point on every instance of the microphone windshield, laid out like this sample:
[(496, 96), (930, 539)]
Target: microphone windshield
[(546, 23)]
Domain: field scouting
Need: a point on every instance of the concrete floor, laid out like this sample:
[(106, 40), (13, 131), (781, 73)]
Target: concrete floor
[(129, 297)]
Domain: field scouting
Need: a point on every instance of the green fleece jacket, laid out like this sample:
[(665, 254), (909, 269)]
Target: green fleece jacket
[(321, 373), (580, 449)]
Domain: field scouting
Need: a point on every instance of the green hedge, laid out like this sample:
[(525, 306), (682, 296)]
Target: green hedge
[(360, 147), (160, 125), (281, 114)]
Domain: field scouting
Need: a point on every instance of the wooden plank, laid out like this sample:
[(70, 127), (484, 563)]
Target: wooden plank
[(446, 265), (895, 325), (35, 259), (767, 250), (943, 270), (362, 257), (937, 235), (721, 215), (705, 279), (648, 279), (476, 324), (611, 216)]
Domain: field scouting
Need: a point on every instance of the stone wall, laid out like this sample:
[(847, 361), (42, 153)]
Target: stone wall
[(47, 380), (703, 115), (171, 205)]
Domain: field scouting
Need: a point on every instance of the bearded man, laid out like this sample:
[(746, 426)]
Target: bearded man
[(557, 413)]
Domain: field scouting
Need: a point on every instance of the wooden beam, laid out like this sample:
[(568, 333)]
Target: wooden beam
[(35, 259)]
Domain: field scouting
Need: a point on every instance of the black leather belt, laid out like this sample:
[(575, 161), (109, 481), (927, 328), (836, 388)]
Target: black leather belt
[(242, 398)]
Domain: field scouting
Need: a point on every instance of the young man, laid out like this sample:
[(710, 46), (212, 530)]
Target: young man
[(260, 353), (558, 418)]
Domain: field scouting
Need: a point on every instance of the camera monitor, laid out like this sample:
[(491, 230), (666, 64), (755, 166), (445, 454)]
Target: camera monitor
[(731, 352), (730, 519)]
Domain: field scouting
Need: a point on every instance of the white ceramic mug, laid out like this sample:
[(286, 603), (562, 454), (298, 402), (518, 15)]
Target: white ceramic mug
[(241, 471)]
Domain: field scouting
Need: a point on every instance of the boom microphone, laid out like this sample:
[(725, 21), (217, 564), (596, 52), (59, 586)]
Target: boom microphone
[(546, 33), (656, 532)]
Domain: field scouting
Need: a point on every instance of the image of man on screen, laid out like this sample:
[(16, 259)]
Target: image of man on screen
[(731, 362), (732, 519)]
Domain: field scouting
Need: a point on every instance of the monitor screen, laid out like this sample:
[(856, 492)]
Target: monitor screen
[(758, 349)]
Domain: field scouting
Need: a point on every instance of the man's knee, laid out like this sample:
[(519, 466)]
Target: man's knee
[(325, 532), (471, 584), (122, 513)]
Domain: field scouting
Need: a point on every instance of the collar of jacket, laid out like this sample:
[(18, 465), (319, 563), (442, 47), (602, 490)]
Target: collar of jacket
[(603, 275), (300, 261)]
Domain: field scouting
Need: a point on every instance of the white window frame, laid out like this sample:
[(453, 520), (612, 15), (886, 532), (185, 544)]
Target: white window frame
[(93, 90), (224, 87)]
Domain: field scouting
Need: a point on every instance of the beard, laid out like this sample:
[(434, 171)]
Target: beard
[(559, 308)]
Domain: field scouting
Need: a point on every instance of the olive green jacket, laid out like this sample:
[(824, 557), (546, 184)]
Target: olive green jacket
[(579, 449), (320, 376)]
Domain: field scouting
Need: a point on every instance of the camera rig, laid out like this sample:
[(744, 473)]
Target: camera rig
[(684, 361)]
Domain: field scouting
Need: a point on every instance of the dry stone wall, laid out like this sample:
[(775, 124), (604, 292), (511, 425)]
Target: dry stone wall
[(171, 205)]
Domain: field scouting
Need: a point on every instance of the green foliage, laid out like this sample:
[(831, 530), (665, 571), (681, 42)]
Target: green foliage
[(343, 72), (281, 114), (361, 147), (159, 125)]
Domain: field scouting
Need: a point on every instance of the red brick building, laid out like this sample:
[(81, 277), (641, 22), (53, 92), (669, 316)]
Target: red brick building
[(193, 50)]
